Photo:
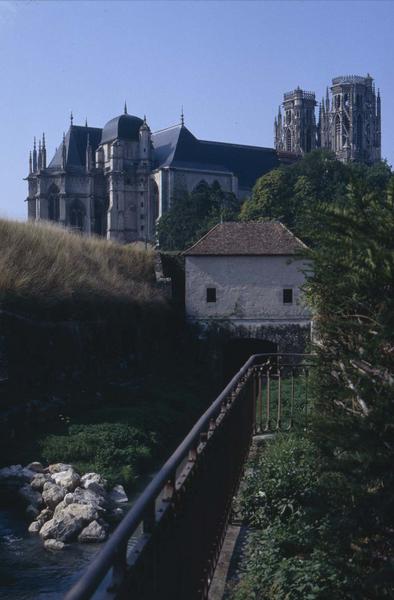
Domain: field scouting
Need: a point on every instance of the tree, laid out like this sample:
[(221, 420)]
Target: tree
[(293, 193), (193, 214), (351, 291)]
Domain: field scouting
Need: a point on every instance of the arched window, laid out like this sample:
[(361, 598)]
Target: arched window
[(338, 144), (359, 132), (288, 140), (53, 203), (77, 215)]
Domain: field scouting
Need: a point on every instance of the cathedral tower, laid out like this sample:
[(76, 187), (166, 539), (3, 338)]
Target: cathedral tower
[(296, 131), (351, 124)]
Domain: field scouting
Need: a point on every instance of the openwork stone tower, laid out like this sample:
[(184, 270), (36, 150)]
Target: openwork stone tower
[(349, 121)]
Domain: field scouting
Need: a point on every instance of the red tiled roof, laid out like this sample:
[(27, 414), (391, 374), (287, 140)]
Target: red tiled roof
[(268, 238)]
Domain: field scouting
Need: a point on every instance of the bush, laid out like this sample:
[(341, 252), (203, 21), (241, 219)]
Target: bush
[(280, 481), (117, 451)]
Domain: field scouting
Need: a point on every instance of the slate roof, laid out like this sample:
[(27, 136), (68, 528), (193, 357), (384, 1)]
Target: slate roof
[(178, 147), (76, 141), (270, 238), (126, 127)]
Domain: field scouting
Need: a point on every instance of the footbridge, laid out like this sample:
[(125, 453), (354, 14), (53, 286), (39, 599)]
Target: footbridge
[(168, 544)]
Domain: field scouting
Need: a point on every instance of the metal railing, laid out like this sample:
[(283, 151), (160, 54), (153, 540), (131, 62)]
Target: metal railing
[(168, 544)]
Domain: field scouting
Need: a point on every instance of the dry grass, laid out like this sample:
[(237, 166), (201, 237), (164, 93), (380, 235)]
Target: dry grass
[(46, 268)]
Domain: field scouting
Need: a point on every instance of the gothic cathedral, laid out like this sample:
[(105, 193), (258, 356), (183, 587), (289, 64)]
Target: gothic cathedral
[(349, 122)]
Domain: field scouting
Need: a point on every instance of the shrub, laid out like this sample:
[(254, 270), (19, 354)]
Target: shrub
[(116, 450)]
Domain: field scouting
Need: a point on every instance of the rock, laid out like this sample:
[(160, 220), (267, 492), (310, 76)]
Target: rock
[(58, 467), (94, 495), (69, 522), (94, 532), (69, 498), (54, 545), (67, 479), (118, 494), (52, 494), (44, 516), (35, 527), (32, 512), (38, 481), (36, 467), (30, 496), (89, 478), (16, 472), (59, 508)]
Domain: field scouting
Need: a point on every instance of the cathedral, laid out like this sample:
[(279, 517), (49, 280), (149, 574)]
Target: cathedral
[(349, 122), (117, 181)]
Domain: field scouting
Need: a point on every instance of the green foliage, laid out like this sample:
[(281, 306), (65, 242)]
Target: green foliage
[(280, 480), (116, 450), (193, 214), (47, 269), (293, 194), (326, 531)]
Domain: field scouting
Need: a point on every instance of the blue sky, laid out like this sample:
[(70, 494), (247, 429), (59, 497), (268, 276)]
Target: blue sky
[(227, 63)]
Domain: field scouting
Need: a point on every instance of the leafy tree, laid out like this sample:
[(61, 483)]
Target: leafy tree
[(193, 214), (293, 193)]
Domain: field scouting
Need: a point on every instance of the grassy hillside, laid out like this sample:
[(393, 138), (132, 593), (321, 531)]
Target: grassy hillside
[(46, 269)]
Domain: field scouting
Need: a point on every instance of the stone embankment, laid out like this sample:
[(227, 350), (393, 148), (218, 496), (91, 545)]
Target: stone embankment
[(63, 505)]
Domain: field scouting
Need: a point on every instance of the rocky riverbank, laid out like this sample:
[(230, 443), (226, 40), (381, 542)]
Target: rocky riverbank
[(63, 505)]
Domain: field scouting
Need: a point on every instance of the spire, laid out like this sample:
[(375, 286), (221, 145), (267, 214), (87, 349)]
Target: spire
[(182, 117), (30, 164), (327, 101), (71, 118), (34, 156), (44, 152), (39, 161), (125, 108), (64, 153), (86, 121)]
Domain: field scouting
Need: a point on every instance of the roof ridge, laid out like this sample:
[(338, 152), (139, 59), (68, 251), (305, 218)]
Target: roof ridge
[(236, 145), (167, 128)]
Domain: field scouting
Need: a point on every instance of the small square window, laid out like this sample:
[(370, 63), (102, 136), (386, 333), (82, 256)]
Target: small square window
[(211, 294), (287, 296)]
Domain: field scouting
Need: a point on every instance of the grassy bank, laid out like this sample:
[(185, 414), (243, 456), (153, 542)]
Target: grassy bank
[(47, 269)]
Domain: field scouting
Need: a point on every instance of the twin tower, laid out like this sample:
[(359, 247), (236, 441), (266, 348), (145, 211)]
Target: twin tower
[(349, 123)]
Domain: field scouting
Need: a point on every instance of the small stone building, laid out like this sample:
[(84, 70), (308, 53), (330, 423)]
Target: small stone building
[(245, 279)]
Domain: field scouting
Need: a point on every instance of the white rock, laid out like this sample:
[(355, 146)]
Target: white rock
[(93, 533), (90, 478), (44, 516), (69, 522), (118, 494), (35, 527), (36, 467), (94, 495), (38, 481), (67, 479), (57, 467), (69, 498), (52, 494), (54, 545)]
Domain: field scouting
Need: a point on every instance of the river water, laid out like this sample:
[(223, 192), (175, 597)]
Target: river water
[(27, 570)]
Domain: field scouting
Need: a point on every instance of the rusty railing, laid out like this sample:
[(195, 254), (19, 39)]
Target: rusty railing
[(168, 544)]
